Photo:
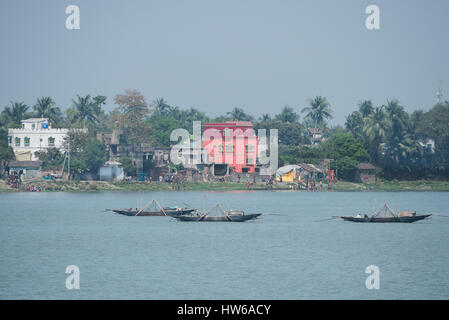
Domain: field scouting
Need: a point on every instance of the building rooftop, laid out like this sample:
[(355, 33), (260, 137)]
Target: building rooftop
[(35, 119), (24, 164), (366, 166), (229, 124), (315, 130)]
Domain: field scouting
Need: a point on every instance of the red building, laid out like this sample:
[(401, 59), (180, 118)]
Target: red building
[(230, 145)]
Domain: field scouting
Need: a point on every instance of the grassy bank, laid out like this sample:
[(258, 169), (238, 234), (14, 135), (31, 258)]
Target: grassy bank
[(93, 186)]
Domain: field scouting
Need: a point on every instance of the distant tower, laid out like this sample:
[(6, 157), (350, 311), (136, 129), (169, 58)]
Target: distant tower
[(439, 94)]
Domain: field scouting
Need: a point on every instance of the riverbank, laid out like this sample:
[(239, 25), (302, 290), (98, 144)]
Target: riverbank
[(94, 186)]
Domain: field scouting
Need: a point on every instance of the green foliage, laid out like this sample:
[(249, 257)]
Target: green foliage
[(319, 110), (347, 153), (300, 154), (287, 115), (343, 145), (161, 127), (45, 107), (6, 152), (52, 159), (85, 111), (87, 155), (13, 115), (128, 166), (434, 124), (237, 114)]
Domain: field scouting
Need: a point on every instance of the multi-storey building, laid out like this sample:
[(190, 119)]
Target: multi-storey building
[(230, 145), (35, 135)]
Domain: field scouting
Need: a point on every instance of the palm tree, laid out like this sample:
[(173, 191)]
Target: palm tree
[(237, 114), (354, 123), (161, 106), (16, 112), (45, 108), (85, 110), (399, 139), (375, 130), (366, 108), (265, 117), (287, 114), (319, 110)]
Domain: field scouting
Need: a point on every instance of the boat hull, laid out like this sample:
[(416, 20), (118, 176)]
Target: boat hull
[(227, 218), (168, 212), (409, 219)]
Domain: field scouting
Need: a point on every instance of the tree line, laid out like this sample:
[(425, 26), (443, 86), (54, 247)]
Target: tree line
[(387, 136)]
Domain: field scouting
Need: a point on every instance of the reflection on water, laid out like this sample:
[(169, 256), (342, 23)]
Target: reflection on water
[(293, 252)]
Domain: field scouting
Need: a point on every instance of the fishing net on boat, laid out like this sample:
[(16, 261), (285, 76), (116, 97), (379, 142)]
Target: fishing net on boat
[(385, 212), (153, 206), (216, 211)]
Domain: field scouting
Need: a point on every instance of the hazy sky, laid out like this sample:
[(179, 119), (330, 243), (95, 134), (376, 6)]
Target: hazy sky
[(216, 55)]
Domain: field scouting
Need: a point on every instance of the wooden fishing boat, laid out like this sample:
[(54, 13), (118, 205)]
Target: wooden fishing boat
[(166, 212), (153, 208), (385, 219), (223, 216), (387, 215)]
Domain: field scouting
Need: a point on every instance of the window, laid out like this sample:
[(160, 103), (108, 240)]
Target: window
[(33, 126), (227, 132), (26, 141), (249, 148), (51, 142), (17, 142), (9, 139), (229, 148)]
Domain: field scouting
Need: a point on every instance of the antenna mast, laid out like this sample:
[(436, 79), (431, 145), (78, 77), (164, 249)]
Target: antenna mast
[(439, 94)]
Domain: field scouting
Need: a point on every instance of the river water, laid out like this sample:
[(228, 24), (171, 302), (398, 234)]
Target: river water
[(292, 252)]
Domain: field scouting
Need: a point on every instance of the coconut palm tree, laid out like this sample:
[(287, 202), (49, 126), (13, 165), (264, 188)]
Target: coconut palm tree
[(375, 130), (318, 110), (45, 108), (366, 108), (287, 114), (161, 106), (237, 114), (265, 117), (400, 144), (354, 123), (85, 109), (16, 113)]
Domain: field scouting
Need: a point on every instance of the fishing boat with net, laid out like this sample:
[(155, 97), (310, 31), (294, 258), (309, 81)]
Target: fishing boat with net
[(386, 214), (153, 208), (218, 214)]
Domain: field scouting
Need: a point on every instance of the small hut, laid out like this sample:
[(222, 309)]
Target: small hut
[(366, 172), (25, 169)]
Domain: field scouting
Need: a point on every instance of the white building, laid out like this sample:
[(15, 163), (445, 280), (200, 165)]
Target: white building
[(36, 134)]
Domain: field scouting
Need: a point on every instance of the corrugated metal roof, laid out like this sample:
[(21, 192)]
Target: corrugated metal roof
[(24, 164)]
